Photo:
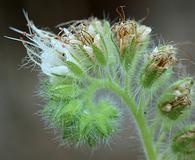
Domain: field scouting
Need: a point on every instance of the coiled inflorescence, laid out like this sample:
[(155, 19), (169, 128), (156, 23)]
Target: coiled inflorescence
[(91, 55)]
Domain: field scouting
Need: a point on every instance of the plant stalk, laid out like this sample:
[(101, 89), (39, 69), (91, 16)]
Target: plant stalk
[(142, 126)]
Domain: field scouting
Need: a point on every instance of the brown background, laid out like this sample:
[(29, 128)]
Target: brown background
[(22, 133)]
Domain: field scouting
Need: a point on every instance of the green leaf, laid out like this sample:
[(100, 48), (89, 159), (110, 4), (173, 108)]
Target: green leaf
[(130, 53), (106, 27), (99, 55), (62, 91), (74, 68)]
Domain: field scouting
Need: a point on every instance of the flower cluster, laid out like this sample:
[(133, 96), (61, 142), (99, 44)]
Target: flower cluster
[(92, 56), (67, 59)]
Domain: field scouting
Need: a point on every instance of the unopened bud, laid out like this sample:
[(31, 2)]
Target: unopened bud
[(162, 59), (184, 142), (176, 99)]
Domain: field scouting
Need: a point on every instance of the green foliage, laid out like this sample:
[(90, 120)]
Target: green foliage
[(98, 124), (99, 55), (74, 68), (82, 122), (129, 54)]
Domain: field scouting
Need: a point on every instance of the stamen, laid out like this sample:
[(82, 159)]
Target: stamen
[(23, 41), (121, 13)]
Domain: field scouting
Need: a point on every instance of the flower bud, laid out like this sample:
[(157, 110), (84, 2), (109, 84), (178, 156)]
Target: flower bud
[(82, 123), (184, 142), (129, 32), (98, 125), (159, 62), (176, 99), (61, 91)]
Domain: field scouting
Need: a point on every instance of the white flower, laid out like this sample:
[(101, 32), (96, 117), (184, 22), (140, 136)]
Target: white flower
[(51, 52), (97, 40), (53, 63), (91, 29), (54, 54), (143, 32), (89, 50), (54, 70), (94, 29)]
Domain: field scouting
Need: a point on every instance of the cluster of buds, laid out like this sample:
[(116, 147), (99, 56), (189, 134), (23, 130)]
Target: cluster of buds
[(184, 142), (176, 99), (82, 123), (128, 32), (160, 61)]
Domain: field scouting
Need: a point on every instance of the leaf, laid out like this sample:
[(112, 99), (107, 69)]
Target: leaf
[(74, 68), (99, 55), (62, 91)]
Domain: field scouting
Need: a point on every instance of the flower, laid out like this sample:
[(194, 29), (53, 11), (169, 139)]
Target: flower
[(161, 59), (129, 31), (48, 50), (87, 34)]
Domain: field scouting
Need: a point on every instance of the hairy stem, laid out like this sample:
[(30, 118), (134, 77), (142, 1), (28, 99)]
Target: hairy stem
[(143, 128)]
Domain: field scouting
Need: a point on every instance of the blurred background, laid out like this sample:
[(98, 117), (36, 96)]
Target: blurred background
[(22, 132)]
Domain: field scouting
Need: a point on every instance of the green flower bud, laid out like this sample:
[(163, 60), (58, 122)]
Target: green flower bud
[(159, 62), (61, 90), (80, 123), (98, 125), (184, 142), (176, 99)]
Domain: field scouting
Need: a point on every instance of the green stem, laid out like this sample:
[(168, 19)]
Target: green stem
[(146, 136), (143, 128), (141, 122)]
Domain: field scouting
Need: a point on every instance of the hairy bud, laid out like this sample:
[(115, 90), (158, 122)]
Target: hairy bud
[(159, 62), (184, 142), (129, 32), (176, 99)]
